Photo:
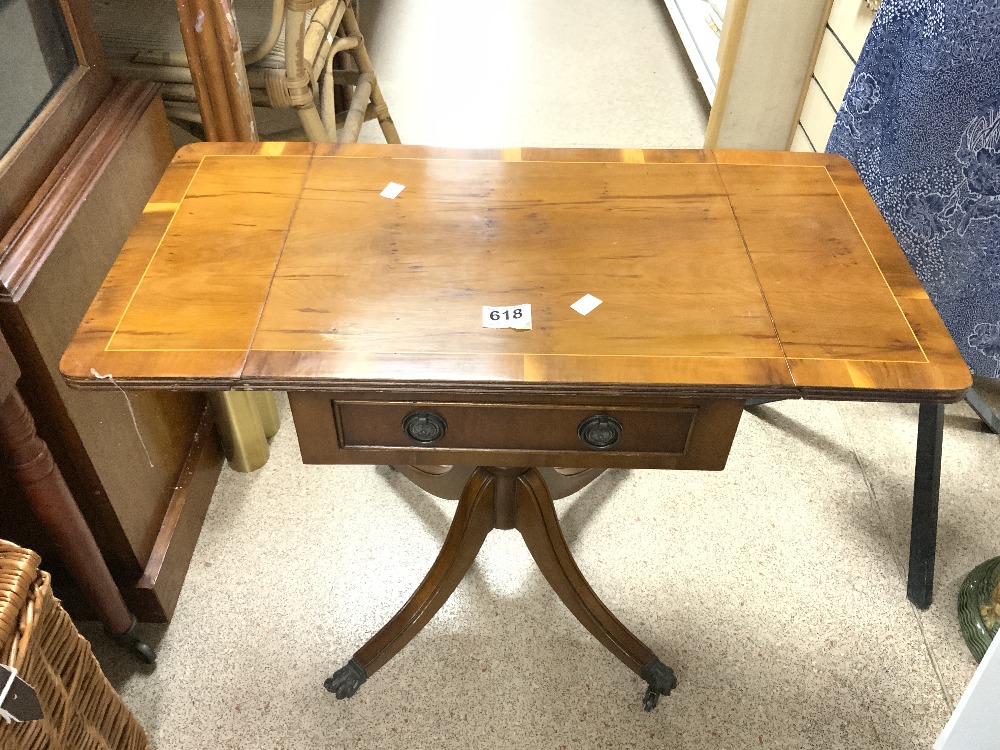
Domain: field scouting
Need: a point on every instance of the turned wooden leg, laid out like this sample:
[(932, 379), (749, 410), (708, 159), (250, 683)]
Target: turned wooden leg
[(56, 509), (539, 525), (473, 521)]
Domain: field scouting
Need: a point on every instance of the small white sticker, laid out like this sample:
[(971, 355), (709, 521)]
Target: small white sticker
[(392, 190), (586, 304), (515, 316)]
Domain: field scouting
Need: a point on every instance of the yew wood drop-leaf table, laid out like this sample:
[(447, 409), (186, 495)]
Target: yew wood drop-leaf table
[(724, 278)]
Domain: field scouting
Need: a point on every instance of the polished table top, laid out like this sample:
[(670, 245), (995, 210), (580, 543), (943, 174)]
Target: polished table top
[(723, 276), (738, 274)]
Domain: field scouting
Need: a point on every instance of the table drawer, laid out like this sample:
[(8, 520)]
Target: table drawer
[(514, 427), (687, 434)]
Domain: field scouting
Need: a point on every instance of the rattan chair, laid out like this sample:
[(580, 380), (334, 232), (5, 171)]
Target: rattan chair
[(295, 65)]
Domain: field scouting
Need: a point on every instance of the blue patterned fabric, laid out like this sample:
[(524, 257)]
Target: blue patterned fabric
[(921, 123)]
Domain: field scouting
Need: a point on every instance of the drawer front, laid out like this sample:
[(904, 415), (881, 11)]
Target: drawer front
[(370, 428), (514, 427)]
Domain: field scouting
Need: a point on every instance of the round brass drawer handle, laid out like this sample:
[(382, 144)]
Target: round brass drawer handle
[(600, 431), (424, 426)]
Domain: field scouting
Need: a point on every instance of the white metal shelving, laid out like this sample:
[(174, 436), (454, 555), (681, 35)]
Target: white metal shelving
[(694, 20)]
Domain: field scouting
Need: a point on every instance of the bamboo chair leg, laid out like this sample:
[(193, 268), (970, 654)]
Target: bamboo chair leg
[(364, 62), (359, 105), (312, 123)]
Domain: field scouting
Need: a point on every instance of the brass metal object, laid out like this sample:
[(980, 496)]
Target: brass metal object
[(267, 409), (242, 429)]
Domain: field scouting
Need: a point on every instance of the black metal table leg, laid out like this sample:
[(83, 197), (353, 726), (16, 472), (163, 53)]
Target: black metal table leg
[(983, 411), (926, 483)]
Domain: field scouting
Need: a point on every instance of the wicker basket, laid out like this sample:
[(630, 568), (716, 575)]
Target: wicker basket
[(37, 637)]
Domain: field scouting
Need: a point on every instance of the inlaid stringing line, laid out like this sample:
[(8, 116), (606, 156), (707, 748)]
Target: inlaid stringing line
[(375, 354), (371, 355), (875, 261), (107, 346), (502, 157)]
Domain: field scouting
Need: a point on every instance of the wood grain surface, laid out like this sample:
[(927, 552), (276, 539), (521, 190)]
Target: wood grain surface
[(733, 274)]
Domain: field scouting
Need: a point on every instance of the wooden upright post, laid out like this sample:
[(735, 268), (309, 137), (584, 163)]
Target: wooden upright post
[(212, 43)]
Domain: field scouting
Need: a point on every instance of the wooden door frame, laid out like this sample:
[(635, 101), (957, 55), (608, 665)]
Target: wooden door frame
[(30, 160)]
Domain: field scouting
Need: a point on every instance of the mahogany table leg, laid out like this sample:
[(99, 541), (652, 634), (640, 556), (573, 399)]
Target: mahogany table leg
[(473, 521), (506, 498), (539, 525), (53, 504)]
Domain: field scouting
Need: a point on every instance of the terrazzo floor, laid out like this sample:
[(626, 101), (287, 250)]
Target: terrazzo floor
[(774, 588)]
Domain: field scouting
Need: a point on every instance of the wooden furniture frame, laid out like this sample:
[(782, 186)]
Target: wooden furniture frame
[(51, 501), (71, 186), (373, 322), (36, 153)]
